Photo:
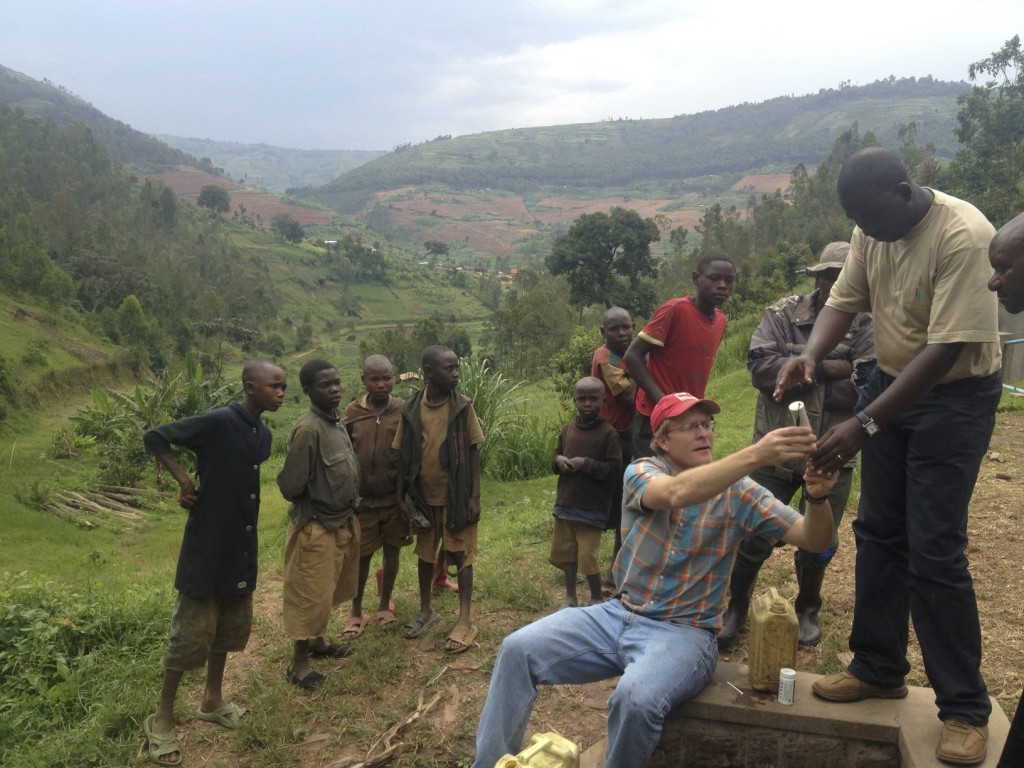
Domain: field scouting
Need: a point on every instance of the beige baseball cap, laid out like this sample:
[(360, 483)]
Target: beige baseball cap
[(833, 256)]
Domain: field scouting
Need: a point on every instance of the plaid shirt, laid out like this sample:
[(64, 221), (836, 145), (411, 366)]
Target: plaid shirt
[(674, 565)]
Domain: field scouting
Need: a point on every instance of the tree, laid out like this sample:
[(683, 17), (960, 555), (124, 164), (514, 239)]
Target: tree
[(989, 169), (529, 328), (215, 198), (607, 260), (132, 325), (369, 263), (285, 226), (436, 248), (725, 229)]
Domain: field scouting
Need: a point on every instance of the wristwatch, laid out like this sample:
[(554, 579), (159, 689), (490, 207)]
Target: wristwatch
[(867, 424)]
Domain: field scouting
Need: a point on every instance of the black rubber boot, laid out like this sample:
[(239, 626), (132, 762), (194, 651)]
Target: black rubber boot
[(741, 588), (808, 600)]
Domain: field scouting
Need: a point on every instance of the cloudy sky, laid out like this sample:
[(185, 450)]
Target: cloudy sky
[(353, 74)]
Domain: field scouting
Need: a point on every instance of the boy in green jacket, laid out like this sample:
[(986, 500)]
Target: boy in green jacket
[(439, 487)]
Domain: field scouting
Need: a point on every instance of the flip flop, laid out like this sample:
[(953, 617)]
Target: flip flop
[(354, 627), (158, 744), (417, 627), (461, 638), (332, 651), (385, 619), (307, 683), (228, 716)]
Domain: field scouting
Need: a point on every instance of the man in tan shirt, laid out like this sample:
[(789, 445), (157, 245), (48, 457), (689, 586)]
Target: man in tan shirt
[(919, 262)]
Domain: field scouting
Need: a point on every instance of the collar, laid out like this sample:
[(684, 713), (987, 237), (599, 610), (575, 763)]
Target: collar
[(334, 417)]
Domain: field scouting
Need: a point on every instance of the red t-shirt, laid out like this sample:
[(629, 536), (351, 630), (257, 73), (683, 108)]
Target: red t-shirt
[(611, 370), (686, 341)]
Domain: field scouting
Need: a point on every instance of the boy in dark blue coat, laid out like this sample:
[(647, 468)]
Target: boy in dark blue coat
[(217, 565)]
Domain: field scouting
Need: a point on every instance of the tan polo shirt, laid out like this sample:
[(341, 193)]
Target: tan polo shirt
[(930, 287)]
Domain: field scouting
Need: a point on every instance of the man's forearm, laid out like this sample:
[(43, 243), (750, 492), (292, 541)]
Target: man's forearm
[(697, 485), (829, 329), (636, 361), (818, 526), (170, 463)]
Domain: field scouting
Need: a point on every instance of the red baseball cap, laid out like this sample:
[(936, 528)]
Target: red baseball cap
[(676, 405)]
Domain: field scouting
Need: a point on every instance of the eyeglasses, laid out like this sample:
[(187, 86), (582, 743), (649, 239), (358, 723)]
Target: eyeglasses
[(708, 425)]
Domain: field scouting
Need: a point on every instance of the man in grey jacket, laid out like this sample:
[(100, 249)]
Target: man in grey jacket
[(783, 331)]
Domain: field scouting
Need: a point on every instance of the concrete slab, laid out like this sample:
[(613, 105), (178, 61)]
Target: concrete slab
[(911, 724)]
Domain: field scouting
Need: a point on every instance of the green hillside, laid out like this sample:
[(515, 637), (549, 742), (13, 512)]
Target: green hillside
[(101, 272), (124, 143), (659, 155)]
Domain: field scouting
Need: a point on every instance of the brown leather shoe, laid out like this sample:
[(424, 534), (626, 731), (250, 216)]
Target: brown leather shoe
[(962, 744), (845, 687)]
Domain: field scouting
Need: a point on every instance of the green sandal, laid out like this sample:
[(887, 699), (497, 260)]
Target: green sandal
[(160, 744)]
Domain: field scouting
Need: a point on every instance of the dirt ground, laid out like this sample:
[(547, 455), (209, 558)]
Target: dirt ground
[(189, 182), (496, 222), (443, 735)]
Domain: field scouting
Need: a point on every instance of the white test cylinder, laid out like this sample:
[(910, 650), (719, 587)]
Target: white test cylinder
[(799, 414)]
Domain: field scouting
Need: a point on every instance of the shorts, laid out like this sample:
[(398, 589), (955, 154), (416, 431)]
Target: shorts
[(383, 525), (321, 571), (201, 626), (463, 541), (576, 542)]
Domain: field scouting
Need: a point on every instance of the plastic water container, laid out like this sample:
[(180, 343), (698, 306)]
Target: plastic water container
[(546, 750), (773, 636)]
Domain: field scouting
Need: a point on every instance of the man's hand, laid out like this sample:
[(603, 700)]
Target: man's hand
[(795, 372), (838, 446), (187, 493), (418, 519), (785, 444), (474, 509), (819, 483)]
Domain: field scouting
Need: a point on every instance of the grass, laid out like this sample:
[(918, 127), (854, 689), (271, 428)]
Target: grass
[(85, 685), (89, 710), (83, 619)]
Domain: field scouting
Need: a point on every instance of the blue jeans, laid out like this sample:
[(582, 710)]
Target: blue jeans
[(911, 532), (1013, 750), (661, 664)]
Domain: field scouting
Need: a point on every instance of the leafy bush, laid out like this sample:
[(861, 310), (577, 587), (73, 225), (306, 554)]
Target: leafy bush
[(36, 354), (572, 362), (67, 666), (116, 420), (525, 449), (67, 444)]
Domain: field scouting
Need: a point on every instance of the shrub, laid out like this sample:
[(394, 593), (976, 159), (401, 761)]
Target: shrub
[(68, 666), (68, 444)]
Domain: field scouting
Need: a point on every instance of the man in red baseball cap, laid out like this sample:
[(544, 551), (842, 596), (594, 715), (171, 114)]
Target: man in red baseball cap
[(683, 516)]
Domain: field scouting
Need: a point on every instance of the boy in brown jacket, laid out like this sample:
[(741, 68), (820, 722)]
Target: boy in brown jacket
[(372, 421)]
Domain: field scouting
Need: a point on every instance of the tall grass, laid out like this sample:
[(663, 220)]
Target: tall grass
[(518, 441)]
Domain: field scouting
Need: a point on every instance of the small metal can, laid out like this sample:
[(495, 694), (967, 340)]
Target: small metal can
[(787, 685)]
